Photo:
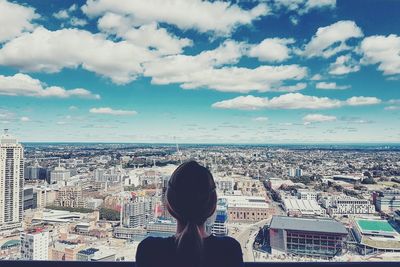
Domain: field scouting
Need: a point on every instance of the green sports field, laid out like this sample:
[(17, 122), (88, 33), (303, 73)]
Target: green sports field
[(370, 225)]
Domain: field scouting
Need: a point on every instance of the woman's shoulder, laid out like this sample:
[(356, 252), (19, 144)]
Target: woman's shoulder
[(154, 241), (225, 241)]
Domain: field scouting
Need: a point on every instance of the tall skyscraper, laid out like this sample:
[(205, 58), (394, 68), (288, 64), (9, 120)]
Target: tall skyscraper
[(11, 182)]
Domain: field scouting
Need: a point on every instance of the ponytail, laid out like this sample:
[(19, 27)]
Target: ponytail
[(190, 245), (191, 199)]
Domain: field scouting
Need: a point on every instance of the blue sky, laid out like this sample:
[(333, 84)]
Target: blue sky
[(191, 71)]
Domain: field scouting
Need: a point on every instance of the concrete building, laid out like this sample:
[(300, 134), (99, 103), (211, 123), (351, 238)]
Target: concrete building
[(35, 245), (62, 250), (322, 238), (11, 182), (307, 195), (302, 207), (219, 227), (225, 184), (345, 205), (247, 208), (59, 174), (70, 196), (138, 212), (388, 200), (95, 254)]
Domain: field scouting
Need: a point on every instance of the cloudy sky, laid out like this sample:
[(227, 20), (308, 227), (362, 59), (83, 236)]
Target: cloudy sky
[(191, 71)]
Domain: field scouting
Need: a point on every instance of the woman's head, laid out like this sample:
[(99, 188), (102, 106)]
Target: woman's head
[(191, 199)]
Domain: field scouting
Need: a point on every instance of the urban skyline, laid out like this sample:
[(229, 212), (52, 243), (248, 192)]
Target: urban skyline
[(270, 72)]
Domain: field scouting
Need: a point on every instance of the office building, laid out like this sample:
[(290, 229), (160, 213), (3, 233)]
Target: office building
[(11, 182), (35, 245), (322, 238), (70, 197), (388, 200), (59, 174), (219, 227), (138, 212), (345, 205), (248, 208)]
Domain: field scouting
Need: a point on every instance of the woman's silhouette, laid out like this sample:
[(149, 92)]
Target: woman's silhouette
[(191, 199)]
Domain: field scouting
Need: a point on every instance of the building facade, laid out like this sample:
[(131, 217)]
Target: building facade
[(35, 245), (321, 238), (11, 182)]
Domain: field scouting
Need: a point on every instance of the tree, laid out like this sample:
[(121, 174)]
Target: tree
[(109, 214)]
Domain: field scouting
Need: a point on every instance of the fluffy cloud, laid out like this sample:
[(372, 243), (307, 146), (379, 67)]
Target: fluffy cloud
[(311, 118), (384, 51), (25, 85), (110, 111), (331, 39), (51, 51), (331, 86), (304, 6), (272, 49), (291, 88), (217, 16), (343, 65), (209, 69), (15, 19), (148, 36), (286, 101), (292, 101), (65, 14), (362, 100)]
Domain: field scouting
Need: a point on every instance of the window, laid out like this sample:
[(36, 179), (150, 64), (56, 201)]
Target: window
[(292, 105)]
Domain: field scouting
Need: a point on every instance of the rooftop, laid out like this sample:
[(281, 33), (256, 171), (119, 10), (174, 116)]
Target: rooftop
[(375, 226), (324, 225)]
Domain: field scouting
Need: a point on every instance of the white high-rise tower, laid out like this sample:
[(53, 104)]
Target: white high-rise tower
[(11, 182)]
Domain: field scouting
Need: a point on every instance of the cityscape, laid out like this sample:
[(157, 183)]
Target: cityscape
[(96, 202), (292, 105)]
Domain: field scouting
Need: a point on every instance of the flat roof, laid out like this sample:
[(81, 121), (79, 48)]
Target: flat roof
[(320, 225), (375, 226)]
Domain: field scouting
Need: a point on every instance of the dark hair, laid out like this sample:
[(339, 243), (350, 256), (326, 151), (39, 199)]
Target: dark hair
[(191, 199)]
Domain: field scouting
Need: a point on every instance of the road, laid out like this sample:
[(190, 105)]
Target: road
[(246, 237)]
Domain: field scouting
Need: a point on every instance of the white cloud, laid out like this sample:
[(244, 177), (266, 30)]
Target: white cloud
[(291, 88), (262, 119), (304, 6), (51, 51), (217, 16), (312, 118), (316, 77), (24, 85), (148, 36), (286, 101), (25, 119), (384, 51), (77, 22), (272, 49), (362, 100), (209, 70), (331, 86), (110, 111), (66, 15), (392, 108), (62, 14), (15, 19), (343, 65), (292, 101), (331, 39)]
